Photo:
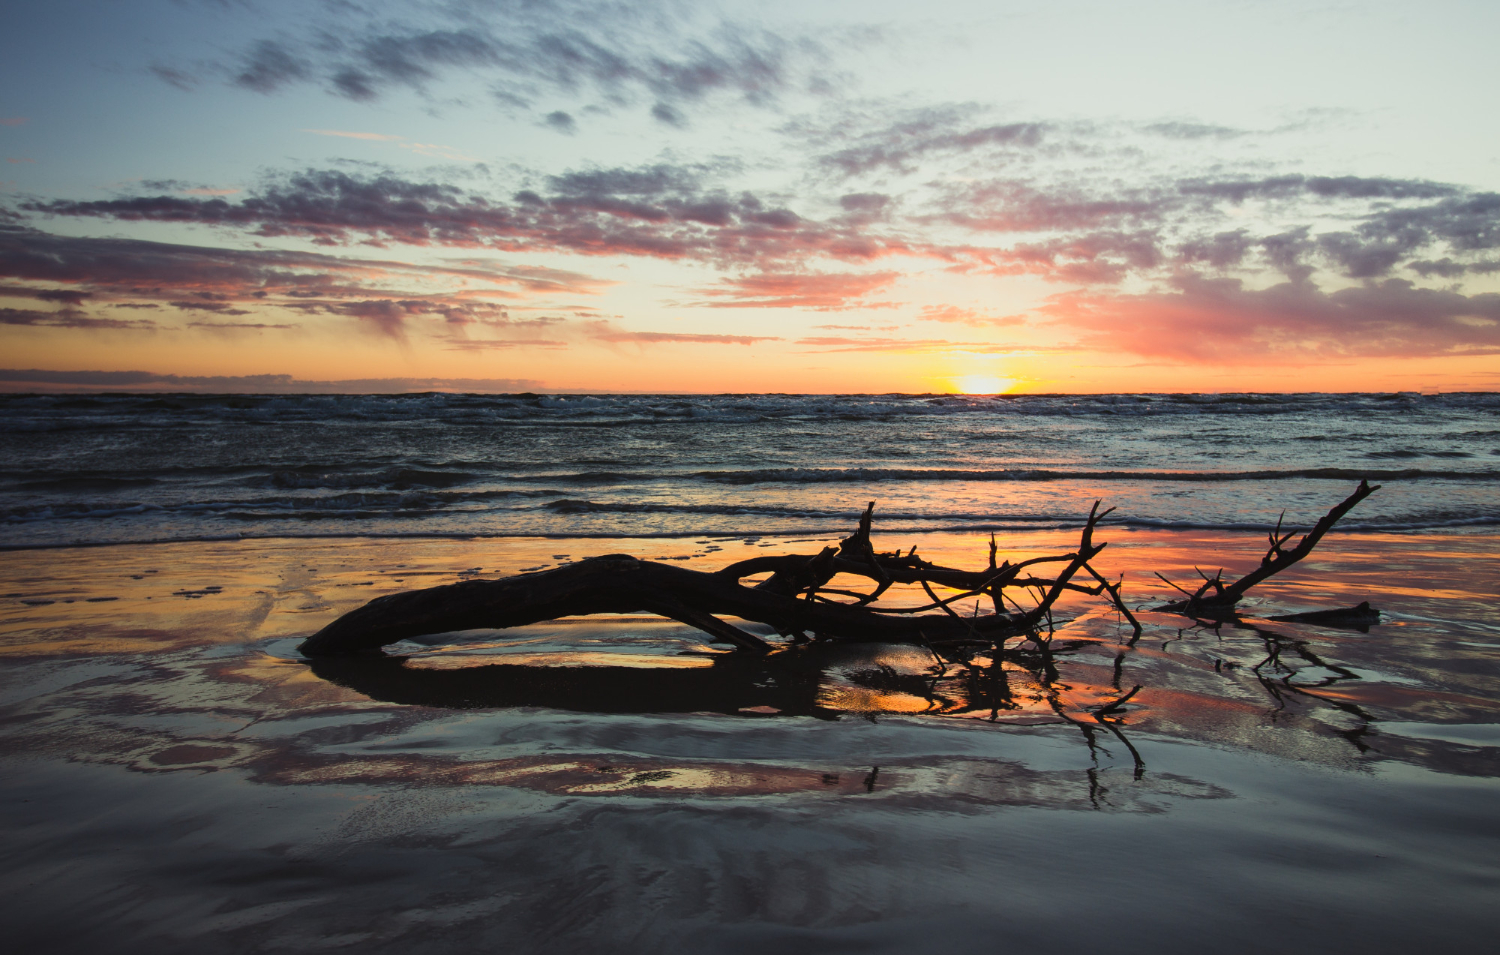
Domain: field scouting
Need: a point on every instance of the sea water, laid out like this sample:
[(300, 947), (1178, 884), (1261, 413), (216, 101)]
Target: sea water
[(134, 468), (177, 778)]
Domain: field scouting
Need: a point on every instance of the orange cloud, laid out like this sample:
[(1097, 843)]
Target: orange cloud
[(606, 332)]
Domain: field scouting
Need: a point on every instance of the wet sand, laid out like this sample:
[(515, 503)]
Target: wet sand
[(176, 777)]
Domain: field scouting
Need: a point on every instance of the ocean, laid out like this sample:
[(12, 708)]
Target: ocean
[(177, 777), (139, 468)]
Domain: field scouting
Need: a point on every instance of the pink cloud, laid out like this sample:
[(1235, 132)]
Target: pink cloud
[(1221, 321), (968, 316), (818, 290)]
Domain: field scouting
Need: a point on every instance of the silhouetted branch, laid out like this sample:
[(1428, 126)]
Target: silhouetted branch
[(1215, 599)]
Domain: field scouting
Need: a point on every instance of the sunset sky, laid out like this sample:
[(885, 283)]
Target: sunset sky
[(747, 197)]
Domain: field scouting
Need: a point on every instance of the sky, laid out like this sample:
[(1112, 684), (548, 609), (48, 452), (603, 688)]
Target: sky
[(828, 197)]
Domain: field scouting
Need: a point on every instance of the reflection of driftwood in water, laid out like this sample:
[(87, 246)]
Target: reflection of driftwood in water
[(733, 682), (796, 599), (801, 682), (1361, 617)]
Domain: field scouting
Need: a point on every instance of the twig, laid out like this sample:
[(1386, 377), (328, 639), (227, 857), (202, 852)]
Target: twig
[(1114, 595), (1114, 705)]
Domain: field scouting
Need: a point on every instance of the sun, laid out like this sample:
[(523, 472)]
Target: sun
[(983, 385)]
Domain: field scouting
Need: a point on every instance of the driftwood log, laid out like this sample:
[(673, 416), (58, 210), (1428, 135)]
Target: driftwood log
[(796, 599)]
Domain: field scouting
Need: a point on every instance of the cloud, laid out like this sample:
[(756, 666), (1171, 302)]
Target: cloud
[(1012, 205), (606, 332), (187, 189), (1106, 233), (435, 150), (181, 79), (656, 181), (492, 344), (126, 273), (13, 120), (968, 316), (232, 327), (1192, 131), (64, 296), (669, 115), (1155, 234), (1089, 233), (223, 308), (1463, 223), (575, 48), (269, 66), (1447, 268), (917, 135), (818, 290), (162, 271), (561, 121), (1095, 232), (1221, 321), (1238, 190), (909, 345), (387, 317), (69, 318), (1221, 250), (24, 379), (866, 205), (656, 211), (372, 137)]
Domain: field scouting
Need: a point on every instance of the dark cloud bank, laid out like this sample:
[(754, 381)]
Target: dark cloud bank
[(36, 379)]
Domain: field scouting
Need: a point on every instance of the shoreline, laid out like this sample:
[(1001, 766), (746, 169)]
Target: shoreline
[(1461, 526), (177, 774)]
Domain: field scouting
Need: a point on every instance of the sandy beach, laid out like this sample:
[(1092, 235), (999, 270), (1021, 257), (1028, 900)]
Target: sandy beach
[(176, 773), (308, 304)]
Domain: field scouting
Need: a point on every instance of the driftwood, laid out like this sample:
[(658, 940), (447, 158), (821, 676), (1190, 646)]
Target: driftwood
[(1215, 599), (796, 599)]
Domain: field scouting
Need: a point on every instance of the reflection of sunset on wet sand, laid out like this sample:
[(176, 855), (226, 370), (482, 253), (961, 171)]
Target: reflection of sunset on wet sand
[(618, 729)]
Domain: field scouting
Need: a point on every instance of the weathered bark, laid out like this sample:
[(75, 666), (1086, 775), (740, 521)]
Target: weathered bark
[(790, 600), (620, 583)]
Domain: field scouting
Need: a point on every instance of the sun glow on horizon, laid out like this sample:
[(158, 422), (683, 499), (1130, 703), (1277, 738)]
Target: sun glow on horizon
[(983, 385)]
